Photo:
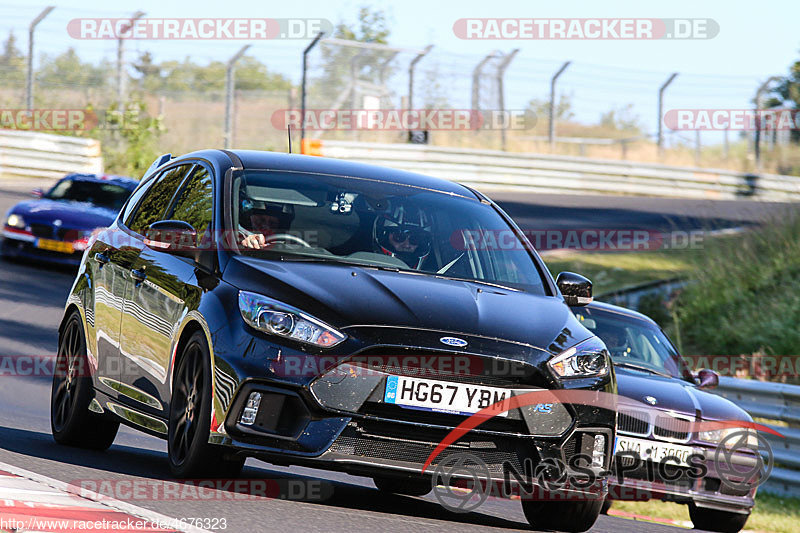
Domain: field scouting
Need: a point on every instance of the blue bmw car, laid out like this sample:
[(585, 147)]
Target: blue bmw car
[(56, 226)]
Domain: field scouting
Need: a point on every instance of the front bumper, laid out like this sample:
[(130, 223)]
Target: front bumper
[(16, 248), (707, 491), (339, 421)]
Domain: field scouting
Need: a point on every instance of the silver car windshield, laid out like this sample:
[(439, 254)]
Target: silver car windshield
[(634, 343), (310, 217)]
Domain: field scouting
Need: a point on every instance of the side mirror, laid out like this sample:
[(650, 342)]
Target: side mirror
[(173, 237), (576, 289), (707, 379), (37, 193)]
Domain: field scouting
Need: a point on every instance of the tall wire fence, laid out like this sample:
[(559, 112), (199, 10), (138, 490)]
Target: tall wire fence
[(600, 110)]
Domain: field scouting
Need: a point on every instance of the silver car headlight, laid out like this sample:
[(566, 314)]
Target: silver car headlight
[(277, 318), (584, 360), (15, 221), (726, 435)]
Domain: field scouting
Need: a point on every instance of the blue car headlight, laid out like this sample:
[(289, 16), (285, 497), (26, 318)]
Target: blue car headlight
[(277, 318), (586, 359), (15, 221)]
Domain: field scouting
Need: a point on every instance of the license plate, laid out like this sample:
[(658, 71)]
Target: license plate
[(440, 396), (55, 246), (654, 450)]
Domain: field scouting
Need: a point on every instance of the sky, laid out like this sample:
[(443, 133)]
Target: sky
[(756, 40)]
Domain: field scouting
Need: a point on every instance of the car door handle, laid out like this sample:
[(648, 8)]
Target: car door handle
[(101, 258), (138, 275)]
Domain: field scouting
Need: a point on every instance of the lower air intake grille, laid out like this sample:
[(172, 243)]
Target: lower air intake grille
[(354, 443)]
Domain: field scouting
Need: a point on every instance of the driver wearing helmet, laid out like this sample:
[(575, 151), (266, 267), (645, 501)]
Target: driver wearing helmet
[(403, 231), (615, 339)]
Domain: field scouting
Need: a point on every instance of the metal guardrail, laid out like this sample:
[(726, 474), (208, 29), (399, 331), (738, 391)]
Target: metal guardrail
[(772, 401), (42, 155), (487, 169)]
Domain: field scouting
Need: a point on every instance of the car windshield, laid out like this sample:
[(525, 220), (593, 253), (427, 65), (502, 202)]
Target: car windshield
[(106, 195), (371, 222), (634, 343)]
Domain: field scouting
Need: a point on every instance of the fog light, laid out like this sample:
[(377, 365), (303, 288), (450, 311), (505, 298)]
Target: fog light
[(599, 451), (251, 409)]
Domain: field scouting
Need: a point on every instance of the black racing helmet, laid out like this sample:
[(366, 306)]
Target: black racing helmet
[(403, 230)]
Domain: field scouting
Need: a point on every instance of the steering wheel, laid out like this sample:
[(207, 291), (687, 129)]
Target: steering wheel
[(286, 237)]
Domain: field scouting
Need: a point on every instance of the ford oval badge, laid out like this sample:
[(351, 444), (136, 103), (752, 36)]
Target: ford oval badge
[(453, 341)]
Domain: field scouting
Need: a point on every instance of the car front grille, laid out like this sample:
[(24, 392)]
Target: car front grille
[(633, 423), (658, 425), (450, 366), (671, 428), (382, 443), (45, 231)]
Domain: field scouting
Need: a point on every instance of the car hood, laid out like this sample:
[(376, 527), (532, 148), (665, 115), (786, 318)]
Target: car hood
[(76, 215), (673, 394), (346, 296)]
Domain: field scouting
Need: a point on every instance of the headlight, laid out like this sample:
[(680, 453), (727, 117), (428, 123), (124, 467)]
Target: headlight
[(717, 436), (276, 318), (15, 221), (586, 359)]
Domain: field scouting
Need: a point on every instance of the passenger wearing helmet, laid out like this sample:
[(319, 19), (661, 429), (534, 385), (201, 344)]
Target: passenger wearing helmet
[(403, 230)]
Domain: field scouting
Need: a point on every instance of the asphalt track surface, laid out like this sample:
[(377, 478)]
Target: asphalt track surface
[(31, 302)]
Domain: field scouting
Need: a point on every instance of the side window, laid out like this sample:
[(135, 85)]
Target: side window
[(156, 200), (195, 203)]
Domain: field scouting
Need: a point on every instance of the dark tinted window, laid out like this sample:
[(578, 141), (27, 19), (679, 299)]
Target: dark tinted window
[(195, 203), (380, 223), (106, 195), (156, 201)]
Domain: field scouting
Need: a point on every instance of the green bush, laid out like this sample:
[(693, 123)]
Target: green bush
[(744, 294)]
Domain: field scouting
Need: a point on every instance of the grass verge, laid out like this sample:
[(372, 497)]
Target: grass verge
[(772, 514)]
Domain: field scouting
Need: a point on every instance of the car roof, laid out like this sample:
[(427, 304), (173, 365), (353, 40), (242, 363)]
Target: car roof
[(123, 181), (608, 308), (255, 159)]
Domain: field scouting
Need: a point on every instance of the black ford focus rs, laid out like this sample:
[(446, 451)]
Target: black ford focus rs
[(325, 313)]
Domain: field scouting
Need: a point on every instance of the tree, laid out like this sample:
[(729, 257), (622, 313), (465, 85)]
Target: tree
[(621, 119), (787, 94), (12, 63), (541, 108), (68, 70), (343, 66)]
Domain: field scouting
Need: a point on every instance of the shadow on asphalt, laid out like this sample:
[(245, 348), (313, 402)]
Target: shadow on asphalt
[(139, 463)]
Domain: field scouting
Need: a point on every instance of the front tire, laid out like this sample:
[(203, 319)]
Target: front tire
[(190, 454), (71, 421), (713, 520), (562, 516)]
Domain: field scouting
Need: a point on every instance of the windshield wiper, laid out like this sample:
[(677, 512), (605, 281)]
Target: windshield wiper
[(626, 364), (322, 259)]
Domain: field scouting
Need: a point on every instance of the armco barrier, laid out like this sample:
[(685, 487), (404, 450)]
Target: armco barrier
[(491, 169), (43, 155), (773, 401)]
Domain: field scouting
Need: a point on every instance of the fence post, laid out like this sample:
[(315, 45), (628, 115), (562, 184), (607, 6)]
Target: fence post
[(411, 67), (660, 139), (501, 72), (311, 45), (476, 80), (757, 142), (29, 86), (551, 133), (121, 78), (229, 88)]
